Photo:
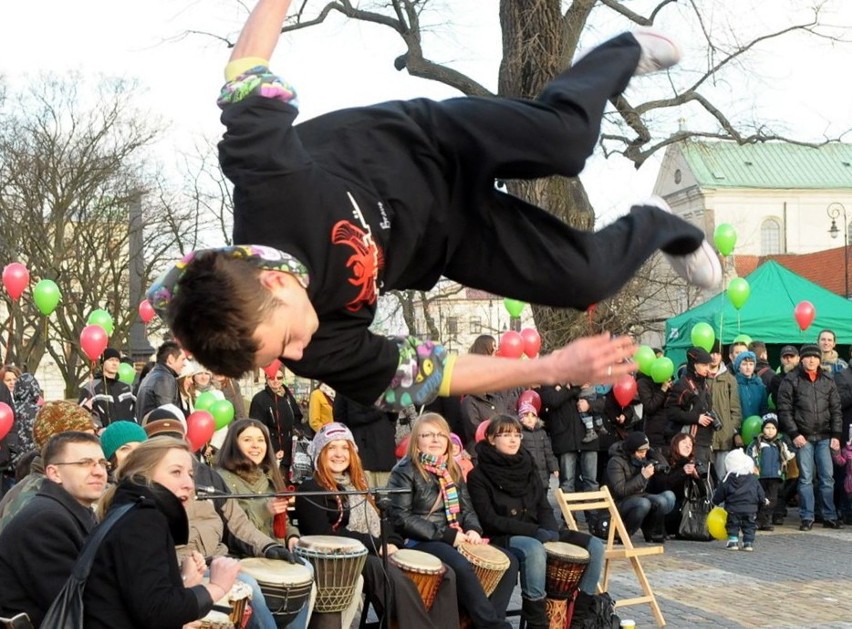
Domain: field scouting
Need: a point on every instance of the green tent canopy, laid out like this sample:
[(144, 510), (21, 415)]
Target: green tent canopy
[(767, 315)]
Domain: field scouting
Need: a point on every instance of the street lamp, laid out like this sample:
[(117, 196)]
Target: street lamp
[(834, 211)]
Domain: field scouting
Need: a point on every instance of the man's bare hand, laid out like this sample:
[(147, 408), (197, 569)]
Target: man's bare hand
[(599, 359)]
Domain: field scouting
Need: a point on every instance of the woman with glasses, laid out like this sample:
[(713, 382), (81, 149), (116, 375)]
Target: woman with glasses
[(135, 579), (512, 504), (278, 410), (436, 515)]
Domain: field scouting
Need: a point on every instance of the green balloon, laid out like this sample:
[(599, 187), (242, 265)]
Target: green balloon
[(662, 369), (702, 336), (725, 238), (752, 426), (738, 292), (222, 412), (205, 401), (126, 373), (103, 319), (742, 338), (46, 296), (514, 306), (644, 358)]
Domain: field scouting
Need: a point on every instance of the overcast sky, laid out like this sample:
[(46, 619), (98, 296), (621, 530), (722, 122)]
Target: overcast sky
[(801, 85)]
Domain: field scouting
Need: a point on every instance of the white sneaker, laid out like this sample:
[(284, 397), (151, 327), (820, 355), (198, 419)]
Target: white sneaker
[(658, 52), (701, 267)]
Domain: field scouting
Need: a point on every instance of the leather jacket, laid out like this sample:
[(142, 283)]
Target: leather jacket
[(419, 515)]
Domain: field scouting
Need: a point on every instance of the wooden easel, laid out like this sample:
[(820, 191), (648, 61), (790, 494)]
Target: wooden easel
[(602, 499)]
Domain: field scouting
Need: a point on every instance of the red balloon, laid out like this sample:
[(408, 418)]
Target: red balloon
[(511, 344), (480, 430), (402, 447), (624, 390), (532, 342), (7, 418), (15, 279), (272, 368), (146, 311), (805, 314), (93, 340), (200, 427), (532, 397)]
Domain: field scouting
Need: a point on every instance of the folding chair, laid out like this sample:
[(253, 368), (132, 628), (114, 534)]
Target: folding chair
[(602, 499)]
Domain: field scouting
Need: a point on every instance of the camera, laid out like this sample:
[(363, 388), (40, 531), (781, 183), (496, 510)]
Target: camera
[(717, 423), (661, 466), (700, 468)]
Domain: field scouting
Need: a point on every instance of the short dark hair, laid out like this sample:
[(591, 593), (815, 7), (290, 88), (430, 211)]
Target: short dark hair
[(758, 347), (54, 449), (833, 335), (167, 350), (216, 308)]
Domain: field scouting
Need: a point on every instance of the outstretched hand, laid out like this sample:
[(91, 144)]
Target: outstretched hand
[(600, 359)]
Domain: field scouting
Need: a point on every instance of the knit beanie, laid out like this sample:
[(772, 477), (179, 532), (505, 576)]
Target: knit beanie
[(747, 355), (166, 420), (119, 433), (770, 418), (526, 407), (328, 433), (636, 441), (60, 416), (110, 352), (698, 355), (454, 438), (810, 350), (739, 463)]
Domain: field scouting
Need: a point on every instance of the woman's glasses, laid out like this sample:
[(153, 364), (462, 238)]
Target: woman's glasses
[(429, 436)]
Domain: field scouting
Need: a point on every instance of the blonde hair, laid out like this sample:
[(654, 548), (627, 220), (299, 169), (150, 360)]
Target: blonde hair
[(140, 464), (432, 419)]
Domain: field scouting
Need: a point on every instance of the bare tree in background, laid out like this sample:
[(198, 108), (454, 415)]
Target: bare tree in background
[(73, 157), (541, 37)]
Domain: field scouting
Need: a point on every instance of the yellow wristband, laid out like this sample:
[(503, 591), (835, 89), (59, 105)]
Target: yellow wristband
[(444, 389), (239, 66)]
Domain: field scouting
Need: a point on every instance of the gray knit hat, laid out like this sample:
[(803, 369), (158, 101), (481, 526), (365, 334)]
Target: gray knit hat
[(328, 433)]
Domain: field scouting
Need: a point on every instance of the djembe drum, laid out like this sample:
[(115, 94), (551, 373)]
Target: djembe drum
[(337, 562), (489, 564), (566, 564), (424, 569), (286, 586)]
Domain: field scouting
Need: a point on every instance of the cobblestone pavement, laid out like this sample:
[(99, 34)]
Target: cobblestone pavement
[(792, 580)]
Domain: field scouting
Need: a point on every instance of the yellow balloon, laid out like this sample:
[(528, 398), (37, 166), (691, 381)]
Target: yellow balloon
[(716, 520)]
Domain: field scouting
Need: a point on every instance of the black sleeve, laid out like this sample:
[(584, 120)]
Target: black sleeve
[(257, 409), (483, 503)]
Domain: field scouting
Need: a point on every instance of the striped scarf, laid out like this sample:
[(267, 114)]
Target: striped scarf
[(437, 465)]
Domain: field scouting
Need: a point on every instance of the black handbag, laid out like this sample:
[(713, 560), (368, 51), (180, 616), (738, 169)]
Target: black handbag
[(66, 611), (696, 506)]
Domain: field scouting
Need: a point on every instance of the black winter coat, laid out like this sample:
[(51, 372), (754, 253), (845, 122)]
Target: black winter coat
[(317, 515), (135, 580), (653, 400), (742, 495), (624, 474), (537, 443), (38, 550), (158, 388), (374, 431), (279, 413), (843, 380), (112, 400), (10, 441), (562, 419), (503, 514), (810, 409), (420, 515), (687, 400)]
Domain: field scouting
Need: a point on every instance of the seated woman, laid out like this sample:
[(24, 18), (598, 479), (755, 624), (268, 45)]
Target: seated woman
[(436, 515), (247, 463), (512, 505), (338, 468), (681, 468), (135, 579)]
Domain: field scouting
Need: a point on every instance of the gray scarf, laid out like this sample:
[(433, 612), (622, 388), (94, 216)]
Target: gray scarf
[(363, 518)]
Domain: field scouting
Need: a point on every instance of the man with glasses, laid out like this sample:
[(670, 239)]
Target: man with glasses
[(278, 409), (39, 546)]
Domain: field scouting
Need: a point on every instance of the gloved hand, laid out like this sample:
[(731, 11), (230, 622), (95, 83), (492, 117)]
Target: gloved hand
[(544, 535), (278, 551)]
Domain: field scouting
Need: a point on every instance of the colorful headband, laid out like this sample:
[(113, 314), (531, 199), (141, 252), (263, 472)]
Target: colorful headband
[(165, 287)]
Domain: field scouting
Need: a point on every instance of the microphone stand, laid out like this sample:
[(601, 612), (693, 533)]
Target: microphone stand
[(383, 504)]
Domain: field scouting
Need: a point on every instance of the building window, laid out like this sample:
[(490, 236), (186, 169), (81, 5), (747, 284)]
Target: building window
[(475, 325), (770, 237), (452, 325), (678, 177)]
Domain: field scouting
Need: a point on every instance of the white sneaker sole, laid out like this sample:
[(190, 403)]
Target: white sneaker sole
[(701, 267), (659, 52)]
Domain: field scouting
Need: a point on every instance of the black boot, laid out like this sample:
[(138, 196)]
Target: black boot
[(584, 606), (535, 613)]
